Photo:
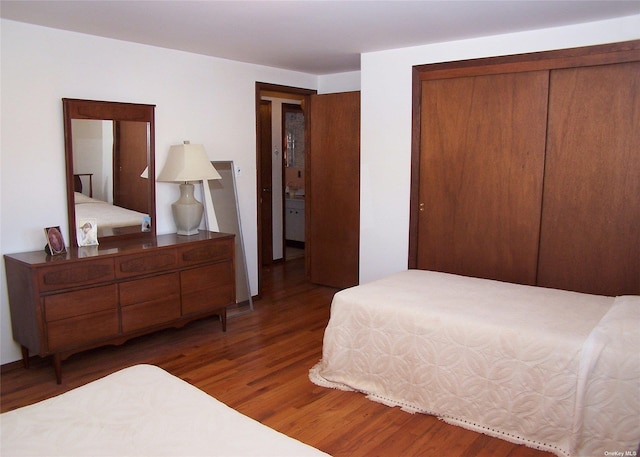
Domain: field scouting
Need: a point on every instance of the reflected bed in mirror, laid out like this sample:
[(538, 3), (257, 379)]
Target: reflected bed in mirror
[(109, 218), (110, 157)]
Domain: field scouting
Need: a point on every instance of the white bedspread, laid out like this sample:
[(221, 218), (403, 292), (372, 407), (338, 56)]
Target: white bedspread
[(551, 369), (106, 214), (140, 411)]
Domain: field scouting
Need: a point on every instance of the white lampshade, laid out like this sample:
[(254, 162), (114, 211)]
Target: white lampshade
[(187, 162)]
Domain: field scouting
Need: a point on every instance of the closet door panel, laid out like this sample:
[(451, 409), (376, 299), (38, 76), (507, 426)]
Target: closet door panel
[(481, 165), (590, 234)]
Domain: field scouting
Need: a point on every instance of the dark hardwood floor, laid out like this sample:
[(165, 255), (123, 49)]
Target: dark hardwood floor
[(260, 367)]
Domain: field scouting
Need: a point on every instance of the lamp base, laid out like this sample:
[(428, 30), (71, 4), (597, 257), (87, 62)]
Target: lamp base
[(187, 211)]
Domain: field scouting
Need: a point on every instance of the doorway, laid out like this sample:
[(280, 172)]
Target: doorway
[(282, 171), (293, 167)]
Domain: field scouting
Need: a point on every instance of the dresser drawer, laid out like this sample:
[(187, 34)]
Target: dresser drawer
[(81, 317), (63, 276), (149, 289), (82, 330), (80, 302), (207, 288), (149, 302), (213, 251), (147, 262)]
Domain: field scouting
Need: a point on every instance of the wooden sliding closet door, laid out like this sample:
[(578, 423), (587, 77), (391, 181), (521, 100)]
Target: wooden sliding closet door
[(482, 147), (590, 235)]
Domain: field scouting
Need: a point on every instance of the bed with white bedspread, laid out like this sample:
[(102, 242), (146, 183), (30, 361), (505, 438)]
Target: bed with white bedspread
[(140, 411), (555, 370), (106, 214)]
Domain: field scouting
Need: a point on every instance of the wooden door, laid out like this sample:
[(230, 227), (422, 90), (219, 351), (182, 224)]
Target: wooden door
[(333, 209), (265, 193), (481, 163), (130, 190), (590, 234)]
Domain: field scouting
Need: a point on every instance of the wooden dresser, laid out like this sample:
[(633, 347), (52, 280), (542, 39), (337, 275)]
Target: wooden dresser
[(99, 295)]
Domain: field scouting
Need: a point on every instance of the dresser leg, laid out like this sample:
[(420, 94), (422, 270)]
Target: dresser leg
[(223, 319), (57, 367), (25, 357)]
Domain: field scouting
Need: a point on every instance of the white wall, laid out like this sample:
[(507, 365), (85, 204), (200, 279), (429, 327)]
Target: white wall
[(339, 82), (386, 126), (201, 99)]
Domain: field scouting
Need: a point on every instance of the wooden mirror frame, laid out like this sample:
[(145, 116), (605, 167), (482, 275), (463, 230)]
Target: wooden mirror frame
[(102, 110)]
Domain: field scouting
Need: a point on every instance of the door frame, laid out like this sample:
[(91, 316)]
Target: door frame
[(266, 186), (261, 89)]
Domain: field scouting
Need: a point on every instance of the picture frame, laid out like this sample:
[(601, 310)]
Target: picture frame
[(55, 241), (87, 232)]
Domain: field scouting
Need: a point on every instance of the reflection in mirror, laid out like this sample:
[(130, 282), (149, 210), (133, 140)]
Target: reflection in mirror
[(294, 137), (109, 159), (109, 151)]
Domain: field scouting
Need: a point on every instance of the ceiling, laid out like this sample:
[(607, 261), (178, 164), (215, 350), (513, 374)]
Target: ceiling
[(316, 37)]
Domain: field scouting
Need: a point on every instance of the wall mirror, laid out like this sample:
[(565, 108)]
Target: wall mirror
[(110, 151)]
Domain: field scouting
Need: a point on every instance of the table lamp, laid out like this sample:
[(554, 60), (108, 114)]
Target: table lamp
[(187, 162)]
